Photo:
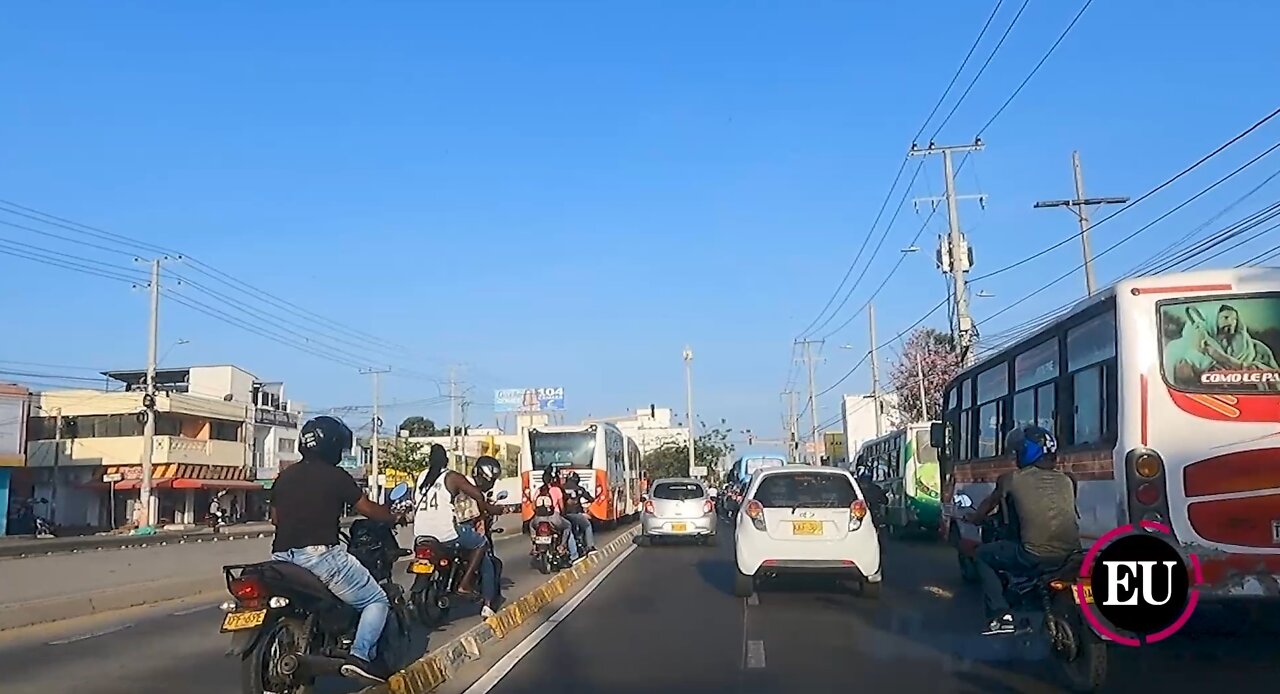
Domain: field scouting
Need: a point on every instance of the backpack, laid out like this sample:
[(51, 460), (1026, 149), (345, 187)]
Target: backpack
[(543, 504)]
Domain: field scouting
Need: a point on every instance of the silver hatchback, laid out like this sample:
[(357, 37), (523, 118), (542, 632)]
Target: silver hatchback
[(678, 507)]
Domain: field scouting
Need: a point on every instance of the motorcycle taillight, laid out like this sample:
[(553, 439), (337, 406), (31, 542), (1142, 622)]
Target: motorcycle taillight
[(247, 588), (423, 552), (543, 529)]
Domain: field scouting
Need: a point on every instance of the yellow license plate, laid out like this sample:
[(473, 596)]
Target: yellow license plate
[(1088, 594), (422, 568), (806, 528), (236, 621), (678, 527)]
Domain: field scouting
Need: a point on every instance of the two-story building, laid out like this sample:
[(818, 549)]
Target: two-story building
[(13, 417)]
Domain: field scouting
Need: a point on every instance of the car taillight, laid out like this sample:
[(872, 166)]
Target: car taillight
[(422, 552), (708, 507), (1146, 482), (1148, 494), (858, 509), (247, 588), (755, 510), (648, 507)]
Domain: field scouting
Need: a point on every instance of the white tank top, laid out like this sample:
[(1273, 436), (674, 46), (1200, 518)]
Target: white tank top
[(434, 515)]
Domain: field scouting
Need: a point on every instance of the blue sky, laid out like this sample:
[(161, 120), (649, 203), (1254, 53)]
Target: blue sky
[(566, 193)]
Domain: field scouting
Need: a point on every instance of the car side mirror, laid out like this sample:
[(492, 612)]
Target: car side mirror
[(502, 495), (644, 497), (399, 492), (938, 439)]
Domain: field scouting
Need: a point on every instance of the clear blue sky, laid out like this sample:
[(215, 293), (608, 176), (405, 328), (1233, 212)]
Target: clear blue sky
[(565, 193)]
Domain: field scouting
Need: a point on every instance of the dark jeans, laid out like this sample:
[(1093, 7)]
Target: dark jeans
[(1010, 558)]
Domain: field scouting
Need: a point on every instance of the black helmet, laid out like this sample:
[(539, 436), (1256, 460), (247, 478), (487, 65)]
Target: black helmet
[(325, 439), (572, 477), (548, 475), (487, 470)]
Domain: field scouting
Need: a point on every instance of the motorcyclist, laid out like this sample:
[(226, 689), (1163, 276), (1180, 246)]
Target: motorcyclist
[(435, 516), (575, 501), (1044, 503), (875, 495), (307, 501), (548, 506)]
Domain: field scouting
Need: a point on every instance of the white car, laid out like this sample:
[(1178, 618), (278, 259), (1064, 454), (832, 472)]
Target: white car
[(805, 520), (678, 508)]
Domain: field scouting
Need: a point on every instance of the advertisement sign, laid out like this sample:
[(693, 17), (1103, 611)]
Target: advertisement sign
[(529, 400), (1222, 345)]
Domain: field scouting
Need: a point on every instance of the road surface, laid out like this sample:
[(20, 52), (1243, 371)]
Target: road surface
[(665, 620), (176, 647)]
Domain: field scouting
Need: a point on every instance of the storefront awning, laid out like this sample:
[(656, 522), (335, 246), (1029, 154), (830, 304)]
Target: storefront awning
[(185, 483)]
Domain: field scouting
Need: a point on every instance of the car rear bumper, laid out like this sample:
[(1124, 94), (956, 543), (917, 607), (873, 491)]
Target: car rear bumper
[(855, 556), (813, 567), (698, 525)]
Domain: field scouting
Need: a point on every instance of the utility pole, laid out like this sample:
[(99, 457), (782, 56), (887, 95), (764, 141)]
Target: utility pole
[(688, 388), (813, 398), (789, 421), (463, 407), (924, 405), (954, 254), (57, 454), (875, 372), (375, 489), (453, 400), (149, 400), (1080, 207)]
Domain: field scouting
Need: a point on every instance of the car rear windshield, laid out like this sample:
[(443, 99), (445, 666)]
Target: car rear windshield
[(678, 491), (806, 490)]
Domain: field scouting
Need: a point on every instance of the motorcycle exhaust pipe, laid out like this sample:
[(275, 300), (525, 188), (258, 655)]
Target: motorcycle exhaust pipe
[(303, 665)]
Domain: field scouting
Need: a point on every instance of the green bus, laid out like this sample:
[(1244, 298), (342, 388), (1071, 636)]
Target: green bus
[(905, 466)]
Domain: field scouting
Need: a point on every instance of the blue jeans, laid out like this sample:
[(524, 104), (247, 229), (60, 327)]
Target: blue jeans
[(351, 582), (468, 540), (583, 521)]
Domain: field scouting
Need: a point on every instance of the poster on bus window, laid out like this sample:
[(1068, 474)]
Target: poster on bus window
[(1222, 345)]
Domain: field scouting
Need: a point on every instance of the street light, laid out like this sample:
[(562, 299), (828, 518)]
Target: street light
[(176, 344)]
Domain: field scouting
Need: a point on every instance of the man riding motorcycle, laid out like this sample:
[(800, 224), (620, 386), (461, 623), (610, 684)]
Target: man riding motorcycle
[(575, 502), (307, 501), (435, 516), (548, 506), (1044, 506)]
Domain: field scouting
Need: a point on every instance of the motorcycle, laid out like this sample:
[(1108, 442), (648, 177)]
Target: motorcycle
[(287, 628), (1080, 653), (437, 570), (549, 551)]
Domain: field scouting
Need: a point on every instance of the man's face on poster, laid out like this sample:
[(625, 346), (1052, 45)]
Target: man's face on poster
[(1228, 321)]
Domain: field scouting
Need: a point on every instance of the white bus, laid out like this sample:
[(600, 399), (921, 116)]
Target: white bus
[(607, 461), (1164, 394), (905, 466)]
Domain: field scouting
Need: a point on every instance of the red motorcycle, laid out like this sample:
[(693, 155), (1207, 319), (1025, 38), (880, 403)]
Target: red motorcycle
[(437, 569)]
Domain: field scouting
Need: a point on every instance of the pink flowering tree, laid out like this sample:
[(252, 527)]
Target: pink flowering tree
[(938, 359)]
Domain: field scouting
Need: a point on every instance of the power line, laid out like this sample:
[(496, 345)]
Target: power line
[(891, 340), (981, 70), (67, 265), (959, 70)]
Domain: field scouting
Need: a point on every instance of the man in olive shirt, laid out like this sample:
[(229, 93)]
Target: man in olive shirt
[(1044, 500)]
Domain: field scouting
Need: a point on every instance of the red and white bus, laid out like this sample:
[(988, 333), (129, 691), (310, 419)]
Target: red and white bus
[(607, 461), (1164, 394)]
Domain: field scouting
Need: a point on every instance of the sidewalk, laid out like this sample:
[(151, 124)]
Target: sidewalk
[(27, 545)]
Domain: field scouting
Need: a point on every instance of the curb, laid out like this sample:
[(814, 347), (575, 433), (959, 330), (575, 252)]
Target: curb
[(435, 668), (23, 614)]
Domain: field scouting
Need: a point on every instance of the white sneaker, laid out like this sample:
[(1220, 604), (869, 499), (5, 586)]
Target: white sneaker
[(486, 612)]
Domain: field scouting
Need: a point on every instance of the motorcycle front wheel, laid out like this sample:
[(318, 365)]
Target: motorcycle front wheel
[(426, 603), (544, 563), (260, 667)]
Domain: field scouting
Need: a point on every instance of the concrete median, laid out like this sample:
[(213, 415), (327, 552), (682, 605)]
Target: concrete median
[(435, 668)]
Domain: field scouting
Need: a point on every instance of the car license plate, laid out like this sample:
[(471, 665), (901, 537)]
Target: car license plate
[(1088, 593), (237, 621), (542, 540), (806, 528), (423, 568), (679, 527)]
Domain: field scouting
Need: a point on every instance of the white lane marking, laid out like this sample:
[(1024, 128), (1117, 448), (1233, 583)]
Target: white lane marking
[(754, 599), (192, 610), (939, 592), (755, 654), (90, 635), (510, 660)]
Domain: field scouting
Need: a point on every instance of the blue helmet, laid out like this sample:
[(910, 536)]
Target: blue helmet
[(1030, 444)]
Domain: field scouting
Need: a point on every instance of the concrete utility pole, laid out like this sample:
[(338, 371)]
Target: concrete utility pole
[(1080, 207), (688, 387), (57, 454), (462, 406), (149, 400), (813, 398), (375, 489), (789, 423), (924, 404), (875, 372), (453, 401), (954, 255)]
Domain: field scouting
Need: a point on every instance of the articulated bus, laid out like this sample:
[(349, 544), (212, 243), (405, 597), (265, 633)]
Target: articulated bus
[(1164, 394), (748, 463), (607, 461), (904, 464)]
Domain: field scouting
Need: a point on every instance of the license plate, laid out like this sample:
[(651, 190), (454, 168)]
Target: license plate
[(679, 527), (423, 568), (806, 528), (542, 540), (236, 621), (1088, 594)]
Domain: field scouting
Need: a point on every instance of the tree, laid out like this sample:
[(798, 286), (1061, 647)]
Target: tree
[(671, 459), (421, 426), (409, 457), (939, 361)]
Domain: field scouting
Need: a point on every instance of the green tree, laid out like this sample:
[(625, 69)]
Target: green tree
[(420, 426), (405, 456), (672, 459)]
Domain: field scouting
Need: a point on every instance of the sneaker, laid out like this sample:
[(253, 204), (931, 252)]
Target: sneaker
[(361, 669), (486, 612), (1000, 625)]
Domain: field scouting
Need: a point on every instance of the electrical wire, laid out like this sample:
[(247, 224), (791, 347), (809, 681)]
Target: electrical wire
[(1008, 30)]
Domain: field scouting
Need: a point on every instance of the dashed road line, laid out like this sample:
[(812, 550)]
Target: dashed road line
[(755, 654), (90, 635), (192, 610)]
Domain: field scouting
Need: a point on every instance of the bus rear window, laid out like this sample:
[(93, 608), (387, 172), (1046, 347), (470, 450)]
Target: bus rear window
[(805, 490), (570, 449), (1225, 345), (678, 491)]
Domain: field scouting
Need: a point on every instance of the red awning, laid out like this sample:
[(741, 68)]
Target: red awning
[(128, 485), (185, 483)]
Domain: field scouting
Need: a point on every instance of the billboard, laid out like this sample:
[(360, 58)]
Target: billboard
[(528, 400)]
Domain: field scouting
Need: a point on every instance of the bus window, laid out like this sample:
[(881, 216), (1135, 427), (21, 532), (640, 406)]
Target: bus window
[(925, 453), (1091, 350), (575, 449), (992, 386)]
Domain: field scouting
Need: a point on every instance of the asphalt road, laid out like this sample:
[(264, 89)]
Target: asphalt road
[(665, 620), (176, 647)]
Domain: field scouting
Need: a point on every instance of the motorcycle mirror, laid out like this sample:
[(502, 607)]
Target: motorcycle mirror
[(497, 531), (963, 501), (503, 495), (399, 492)]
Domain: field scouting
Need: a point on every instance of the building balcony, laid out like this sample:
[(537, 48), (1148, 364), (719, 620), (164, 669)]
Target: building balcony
[(127, 450)]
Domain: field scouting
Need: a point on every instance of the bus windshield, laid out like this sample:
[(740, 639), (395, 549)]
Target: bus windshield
[(575, 449), (752, 465), (924, 452), (1225, 345)]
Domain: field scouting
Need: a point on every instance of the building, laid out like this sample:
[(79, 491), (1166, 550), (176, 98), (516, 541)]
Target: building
[(835, 453), (859, 420), (652, 428), (13, 440), (219, 434)]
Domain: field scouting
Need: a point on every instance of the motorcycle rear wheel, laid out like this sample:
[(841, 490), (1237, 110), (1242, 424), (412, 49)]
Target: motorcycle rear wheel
[(259, 672), (426, 605), (1081, 655), (544, 563)]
